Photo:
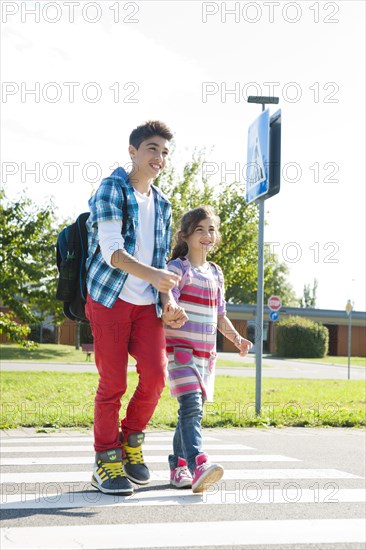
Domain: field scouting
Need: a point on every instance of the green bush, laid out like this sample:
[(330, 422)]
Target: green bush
[(301, 337)]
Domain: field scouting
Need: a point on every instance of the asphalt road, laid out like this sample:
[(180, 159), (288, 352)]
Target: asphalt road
[(289, 368), (288, 489)]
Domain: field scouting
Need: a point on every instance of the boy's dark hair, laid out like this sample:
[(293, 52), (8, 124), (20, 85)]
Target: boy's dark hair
[(149, 129), (188, 224)]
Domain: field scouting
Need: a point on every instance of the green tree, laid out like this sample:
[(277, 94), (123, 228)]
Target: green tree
[(309, 296), (276, 280), (28, 276), (276, 283), (14, 331), (238, 252)]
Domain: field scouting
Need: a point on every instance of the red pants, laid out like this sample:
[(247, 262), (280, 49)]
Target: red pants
[(118, 331)]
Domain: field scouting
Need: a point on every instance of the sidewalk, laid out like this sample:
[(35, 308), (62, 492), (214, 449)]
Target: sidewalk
[(233, 356)]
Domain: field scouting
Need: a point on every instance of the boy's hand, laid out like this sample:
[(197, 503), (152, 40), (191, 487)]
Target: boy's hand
[(243, 345), (173, 315), (164, 280)]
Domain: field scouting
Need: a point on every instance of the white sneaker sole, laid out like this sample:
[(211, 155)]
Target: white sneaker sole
[(123, 492), (212, 475), (135, 480), (182, 485)]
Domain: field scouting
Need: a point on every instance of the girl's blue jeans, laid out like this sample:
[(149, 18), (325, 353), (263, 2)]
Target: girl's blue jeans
[(187, 441)]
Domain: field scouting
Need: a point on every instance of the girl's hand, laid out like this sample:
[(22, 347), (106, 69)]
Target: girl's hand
[(243, 345), (174, 315), (163, 280)]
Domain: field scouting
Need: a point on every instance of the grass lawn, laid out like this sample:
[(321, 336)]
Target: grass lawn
[(56, 399), (229, 363), (46, 353)]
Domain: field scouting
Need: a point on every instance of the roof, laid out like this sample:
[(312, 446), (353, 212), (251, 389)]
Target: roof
[(325, 316)]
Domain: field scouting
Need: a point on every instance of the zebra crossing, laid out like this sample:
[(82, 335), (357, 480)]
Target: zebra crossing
[(264, 500)]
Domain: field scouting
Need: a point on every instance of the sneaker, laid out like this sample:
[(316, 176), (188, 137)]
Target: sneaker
[(205, 473), (181, 477), (108, 475), (133, 461)]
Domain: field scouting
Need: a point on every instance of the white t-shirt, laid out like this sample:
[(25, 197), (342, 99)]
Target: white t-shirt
[(135, 290)]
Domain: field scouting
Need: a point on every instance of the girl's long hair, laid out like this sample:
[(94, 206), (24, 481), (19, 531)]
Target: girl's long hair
[(188, 224)]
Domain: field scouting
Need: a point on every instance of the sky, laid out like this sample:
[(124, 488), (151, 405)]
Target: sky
[(78, 76)]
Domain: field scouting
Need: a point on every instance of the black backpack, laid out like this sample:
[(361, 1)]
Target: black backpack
[(71, 256)]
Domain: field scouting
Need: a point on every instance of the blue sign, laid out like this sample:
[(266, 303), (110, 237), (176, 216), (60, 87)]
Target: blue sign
[(257, 180), (274, 315)]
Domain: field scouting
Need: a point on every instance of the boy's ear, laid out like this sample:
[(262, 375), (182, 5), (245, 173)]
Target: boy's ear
[(132, 151)]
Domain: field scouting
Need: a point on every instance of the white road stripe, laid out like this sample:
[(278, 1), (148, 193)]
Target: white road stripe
[(163, 475), (152, 459), (89, 448), (150, 437), (172, 535), (172, 497)]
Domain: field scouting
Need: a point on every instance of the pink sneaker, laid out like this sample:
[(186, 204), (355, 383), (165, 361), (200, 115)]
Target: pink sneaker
[(205, 473), (181, 477)]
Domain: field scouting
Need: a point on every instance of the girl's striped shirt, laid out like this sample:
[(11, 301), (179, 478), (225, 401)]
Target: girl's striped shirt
[(191, 349)]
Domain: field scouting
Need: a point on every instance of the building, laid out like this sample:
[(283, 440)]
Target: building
[(243, 317)]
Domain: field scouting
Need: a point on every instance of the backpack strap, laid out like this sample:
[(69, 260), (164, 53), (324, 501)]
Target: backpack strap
[(124, 211), (124, 225), (186, 272), (186, 275), (218, 272)]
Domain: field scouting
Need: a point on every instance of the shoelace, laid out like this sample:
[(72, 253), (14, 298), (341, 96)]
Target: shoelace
[(183, 471), (134, 455), (113, 469), (202, 467)]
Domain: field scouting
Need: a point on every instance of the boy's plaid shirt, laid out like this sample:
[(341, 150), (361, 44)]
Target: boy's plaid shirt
[(104, 283)]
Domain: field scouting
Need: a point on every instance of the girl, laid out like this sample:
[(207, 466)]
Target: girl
[(191, 349)]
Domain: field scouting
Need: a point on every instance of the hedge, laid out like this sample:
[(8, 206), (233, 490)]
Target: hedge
[(301, 337)]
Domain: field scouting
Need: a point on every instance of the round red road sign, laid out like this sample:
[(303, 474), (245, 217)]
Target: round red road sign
[(274, 303)]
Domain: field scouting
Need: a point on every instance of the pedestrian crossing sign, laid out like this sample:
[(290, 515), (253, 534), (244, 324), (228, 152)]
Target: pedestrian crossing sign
[(257, 180)]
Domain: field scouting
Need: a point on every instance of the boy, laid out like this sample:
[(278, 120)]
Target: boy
[(124, 281)]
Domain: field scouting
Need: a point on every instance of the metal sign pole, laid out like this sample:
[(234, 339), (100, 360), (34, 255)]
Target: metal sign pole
[(349, 343), (349, 346), (259, 155), (349, 313), (259, 327), (260, 285)]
